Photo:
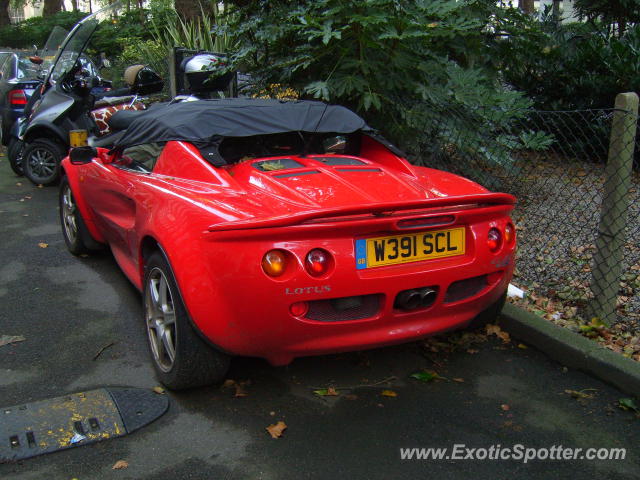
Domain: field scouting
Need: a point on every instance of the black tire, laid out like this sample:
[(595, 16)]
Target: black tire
[(14, 154), (75, 231), (490, 314), (194, 362), (41, 161)]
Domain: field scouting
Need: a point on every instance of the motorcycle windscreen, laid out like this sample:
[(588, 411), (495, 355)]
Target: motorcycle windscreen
[(77, 40)]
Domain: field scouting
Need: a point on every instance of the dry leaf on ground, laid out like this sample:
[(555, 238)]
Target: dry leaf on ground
[(276, 429), (388, 393), (119, 465), (9, 339), (159, 390), (43, 245), (498, 332)]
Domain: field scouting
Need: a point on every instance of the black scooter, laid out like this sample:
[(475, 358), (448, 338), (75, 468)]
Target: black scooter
[(67, 114)]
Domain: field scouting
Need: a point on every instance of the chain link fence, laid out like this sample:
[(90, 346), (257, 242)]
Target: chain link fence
[(555, 163)]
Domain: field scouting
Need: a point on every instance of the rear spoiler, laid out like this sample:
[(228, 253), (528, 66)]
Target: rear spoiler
[(480, 199)]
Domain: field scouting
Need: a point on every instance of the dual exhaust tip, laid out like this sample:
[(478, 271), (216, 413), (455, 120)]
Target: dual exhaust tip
[(415, 298)]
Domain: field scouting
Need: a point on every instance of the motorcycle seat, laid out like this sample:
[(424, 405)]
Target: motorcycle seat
[(123, 118)]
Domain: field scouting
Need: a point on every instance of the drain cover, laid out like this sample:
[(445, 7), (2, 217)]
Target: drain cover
[(78, 419)]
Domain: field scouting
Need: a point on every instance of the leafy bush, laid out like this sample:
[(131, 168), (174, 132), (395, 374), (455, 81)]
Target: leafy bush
[(35, 31), (565, 67), (402, 64)]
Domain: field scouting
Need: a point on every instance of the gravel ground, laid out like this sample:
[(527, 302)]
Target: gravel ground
[(558, 216)]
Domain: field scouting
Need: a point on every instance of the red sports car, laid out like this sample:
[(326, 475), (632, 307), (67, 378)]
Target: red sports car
[(283, 229)]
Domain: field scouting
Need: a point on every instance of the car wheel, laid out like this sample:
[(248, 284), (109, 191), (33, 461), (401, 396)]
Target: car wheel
[(14, 153), (181, 358), (41, 161), (75, 232), (490, 314)]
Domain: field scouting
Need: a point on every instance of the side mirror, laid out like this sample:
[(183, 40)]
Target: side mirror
[(82, 155)]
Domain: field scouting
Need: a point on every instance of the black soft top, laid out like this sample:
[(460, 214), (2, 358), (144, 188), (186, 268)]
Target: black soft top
[(205, 123)]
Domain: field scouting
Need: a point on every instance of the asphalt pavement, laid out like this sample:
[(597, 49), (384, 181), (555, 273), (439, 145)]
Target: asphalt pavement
[(69, 309)]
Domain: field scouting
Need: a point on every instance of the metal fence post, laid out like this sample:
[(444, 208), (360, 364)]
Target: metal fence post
[(607, 259)]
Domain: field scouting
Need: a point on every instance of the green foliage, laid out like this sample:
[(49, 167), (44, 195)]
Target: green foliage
[(35, 31), (195, 34), (402, 64), (129, 28), (564, 67), (609, 11)]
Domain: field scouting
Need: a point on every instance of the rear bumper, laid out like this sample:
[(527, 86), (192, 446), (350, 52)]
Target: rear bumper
[(251, 316)]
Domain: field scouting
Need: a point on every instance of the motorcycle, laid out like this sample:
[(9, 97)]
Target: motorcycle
[(67, 113)]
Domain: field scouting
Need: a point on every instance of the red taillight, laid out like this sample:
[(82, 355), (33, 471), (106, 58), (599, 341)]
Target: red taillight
[(317, 262), (299, 309), (17, 98), (494, 240), (509, 234)]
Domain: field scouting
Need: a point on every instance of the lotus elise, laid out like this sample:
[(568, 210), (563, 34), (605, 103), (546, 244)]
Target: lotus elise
[(281, 229)]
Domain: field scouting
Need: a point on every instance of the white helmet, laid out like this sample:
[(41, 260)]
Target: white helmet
[(203, 62)]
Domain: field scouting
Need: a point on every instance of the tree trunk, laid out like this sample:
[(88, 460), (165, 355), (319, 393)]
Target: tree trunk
[(190, 9), (74, 5), (526, 6), (556, 10), (4, 13), (51, 7)]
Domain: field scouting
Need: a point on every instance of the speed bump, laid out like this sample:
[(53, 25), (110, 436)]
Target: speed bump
[(78, 419)]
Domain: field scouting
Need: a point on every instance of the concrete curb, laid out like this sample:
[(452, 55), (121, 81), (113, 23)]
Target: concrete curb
[(572, 350)]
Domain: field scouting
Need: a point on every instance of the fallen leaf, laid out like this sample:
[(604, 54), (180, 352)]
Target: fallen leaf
[(505, 407), (119, 465), (522, 346), (43, 245), (9, 339), (40, 185), (579, 393), (276, 429), (472, 351), (159, 390), (19, 184), (628, 404), (459, 380), (240, 390), (272, 413), (388, 393), (426, 376), (228, 383), (498, 332), (327, 392)]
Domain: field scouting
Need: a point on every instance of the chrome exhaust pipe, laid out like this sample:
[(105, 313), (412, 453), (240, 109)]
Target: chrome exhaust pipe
[(416, 298), (409, 299), (427, 297)]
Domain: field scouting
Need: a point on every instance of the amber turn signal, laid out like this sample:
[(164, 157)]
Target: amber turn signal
[(509, 234), (274, 263)]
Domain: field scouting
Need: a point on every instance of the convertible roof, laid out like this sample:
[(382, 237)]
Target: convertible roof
[(209, 121)]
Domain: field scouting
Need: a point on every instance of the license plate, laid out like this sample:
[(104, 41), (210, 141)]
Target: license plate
[(413, 247)]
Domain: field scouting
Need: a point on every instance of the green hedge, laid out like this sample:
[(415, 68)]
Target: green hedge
[(36, 30)]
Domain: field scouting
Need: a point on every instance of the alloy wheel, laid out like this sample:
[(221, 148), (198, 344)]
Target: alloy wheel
[(161, 320), (69, 215), (43, 163)]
